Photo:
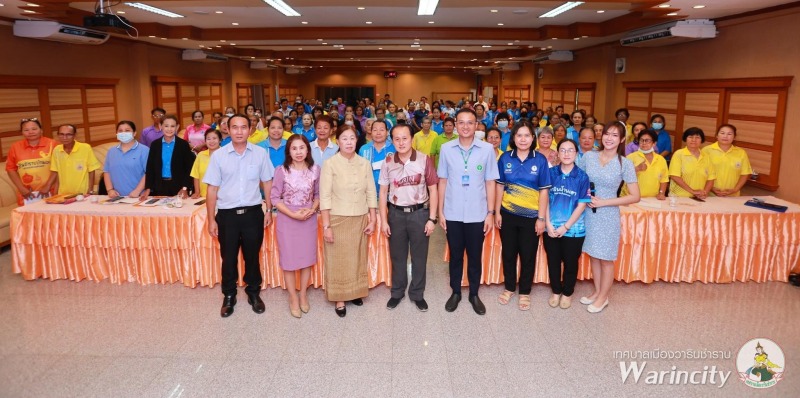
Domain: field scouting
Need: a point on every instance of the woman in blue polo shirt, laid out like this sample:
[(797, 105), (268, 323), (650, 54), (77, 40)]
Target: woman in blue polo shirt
[(520, 206), (564, 218)]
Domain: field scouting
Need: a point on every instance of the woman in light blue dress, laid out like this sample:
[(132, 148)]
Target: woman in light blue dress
[(606, 169)]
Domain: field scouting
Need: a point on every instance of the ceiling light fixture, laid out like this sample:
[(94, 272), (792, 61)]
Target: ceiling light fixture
[(118, 12), (217, 12), (362, 8), (492, 10), (154, 10), (560, 9), (600, 11), (499, 24), (319, 39), (427, 7), (184, 38), (672, 14), (304, 22), (369, 22), (29, 12), (463, 49), (283, 8), (32, 5), (324, 43), (235, 23), (431, 22), (486, 46), (664, 6), (699, 6)]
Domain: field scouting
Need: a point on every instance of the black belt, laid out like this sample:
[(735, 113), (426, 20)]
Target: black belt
[(240, 210), (408, 209), (166, 179)]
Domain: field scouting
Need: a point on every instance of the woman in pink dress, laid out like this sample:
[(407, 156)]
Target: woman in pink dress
[(195, 134), (295, 192)]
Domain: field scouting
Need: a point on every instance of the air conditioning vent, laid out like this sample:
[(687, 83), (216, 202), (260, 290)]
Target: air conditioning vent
[(55, 31), (671, 33)]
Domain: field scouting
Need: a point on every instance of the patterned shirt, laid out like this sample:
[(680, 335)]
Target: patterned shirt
[(408, 181), (567, 191), (523, 180)]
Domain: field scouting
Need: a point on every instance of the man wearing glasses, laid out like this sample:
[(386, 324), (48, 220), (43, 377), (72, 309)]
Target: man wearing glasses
[(152, 133), (73, 164), (467, 173)]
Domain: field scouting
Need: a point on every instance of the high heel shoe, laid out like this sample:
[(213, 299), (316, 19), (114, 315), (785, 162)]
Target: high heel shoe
[(296, 312), (592, 309)]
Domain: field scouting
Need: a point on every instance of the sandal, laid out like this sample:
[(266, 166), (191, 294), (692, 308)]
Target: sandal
[(505, 297), (524, 302)]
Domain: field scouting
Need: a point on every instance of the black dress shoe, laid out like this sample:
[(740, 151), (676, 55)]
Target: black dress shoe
[(254, 300), (477, 305), (341, 311), (422, 305), (452, 302), (227, 306), (393, 303), (357, 302)]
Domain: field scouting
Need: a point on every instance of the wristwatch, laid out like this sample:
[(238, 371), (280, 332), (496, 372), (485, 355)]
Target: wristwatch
[(492, 212), (184, 189), (434, 220)]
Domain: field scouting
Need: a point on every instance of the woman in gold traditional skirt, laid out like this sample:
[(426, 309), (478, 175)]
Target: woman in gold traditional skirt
[(348, 201)]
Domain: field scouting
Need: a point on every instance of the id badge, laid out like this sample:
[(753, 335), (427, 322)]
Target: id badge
[(377, 165), (465, 180)]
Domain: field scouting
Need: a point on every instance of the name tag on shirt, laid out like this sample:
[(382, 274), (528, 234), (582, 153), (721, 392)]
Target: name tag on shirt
[(465, 180), (377, 165)]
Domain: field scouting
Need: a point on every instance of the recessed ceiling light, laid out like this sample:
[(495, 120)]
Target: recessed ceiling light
[(492, 10), (32, 5), (499, 24), (577, 38), (362, 8), (222, 41), (300, 48), (699, 6), (235, 23), (463, 49), (252, 57), (118, 12), (154, 10), (217, 12), (29, 12), (411, 59), (672, 14), (584, 36), (369, 22), (324, 43), (218, 46), (486, 46), (184, 38), (601, 11), (233, 44), (151, 36), (549, 46), (380, 48), (319, 39), (543, 48), (510, 44), (555, 38), (510, 57), (419, 49), (163, 38), (304, 22), (431, 22), (201, 46), (664, 6)]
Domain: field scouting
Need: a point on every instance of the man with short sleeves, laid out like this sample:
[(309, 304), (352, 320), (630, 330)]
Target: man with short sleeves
[(467, 173), (73, 164), (236, 176)]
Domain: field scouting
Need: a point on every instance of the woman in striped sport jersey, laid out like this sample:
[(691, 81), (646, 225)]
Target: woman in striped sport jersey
[(566, 231)]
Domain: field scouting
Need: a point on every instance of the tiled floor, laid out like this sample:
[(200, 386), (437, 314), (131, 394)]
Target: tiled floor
[(63, 339)]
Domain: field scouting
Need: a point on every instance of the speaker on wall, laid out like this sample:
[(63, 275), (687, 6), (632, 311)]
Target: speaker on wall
[(540, 73), (619, 67)]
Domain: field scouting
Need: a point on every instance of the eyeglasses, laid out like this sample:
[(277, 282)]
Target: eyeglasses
[(65, 134), (566, 150), (33, 119), (646, 141), (156, 115)]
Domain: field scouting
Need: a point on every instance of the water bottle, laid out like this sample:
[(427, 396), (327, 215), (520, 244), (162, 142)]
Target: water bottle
[(673, 200), (754, 176)]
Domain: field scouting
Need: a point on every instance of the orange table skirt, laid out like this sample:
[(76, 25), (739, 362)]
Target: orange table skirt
[(654, 246), (684, 247)]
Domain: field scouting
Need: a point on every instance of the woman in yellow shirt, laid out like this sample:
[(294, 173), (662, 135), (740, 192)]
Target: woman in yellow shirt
[(730, 162), (494, 137), (213, 138), (651, 168), (691, 172)]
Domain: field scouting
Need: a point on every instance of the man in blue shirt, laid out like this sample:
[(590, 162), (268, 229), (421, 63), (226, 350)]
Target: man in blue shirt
[(467, 172), (234, 176)]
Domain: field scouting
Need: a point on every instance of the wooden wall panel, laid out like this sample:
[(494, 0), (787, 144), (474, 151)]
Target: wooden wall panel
[(707, 124), (204, 91), (18, 97), (636, 116), (104, 114), (638, 99), (9, 121), (703, 102), (99, 96), (670, 120), (64, 96), (753, 104), (569, 97), (187, 90), (106, 132), (759, 160), (756, 132), (66, 116), (168, 91), (665, 100), (6, 142)]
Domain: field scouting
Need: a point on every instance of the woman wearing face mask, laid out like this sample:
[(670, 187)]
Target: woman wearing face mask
[(731, 163), (690, 170), (651, 168), (348, 200), (125, 164), (169, 163), (664, 142), (350, 120), (637, 128), (195, 133), (503, 124), (213, 138)]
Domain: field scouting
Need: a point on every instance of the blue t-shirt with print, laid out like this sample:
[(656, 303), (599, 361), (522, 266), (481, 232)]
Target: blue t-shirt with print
[(567, 191)]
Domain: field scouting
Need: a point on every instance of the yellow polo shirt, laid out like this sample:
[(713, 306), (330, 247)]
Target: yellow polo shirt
[(199, 170), (73, 168), (694, 171), (649, 180), (258, 136), (423, 142), (729, 166), (287, 134)]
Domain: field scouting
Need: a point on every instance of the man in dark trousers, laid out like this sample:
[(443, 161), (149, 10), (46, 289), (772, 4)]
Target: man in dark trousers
[(235, 174)]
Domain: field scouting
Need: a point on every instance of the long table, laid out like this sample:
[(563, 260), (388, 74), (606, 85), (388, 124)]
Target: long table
[(718, 241)]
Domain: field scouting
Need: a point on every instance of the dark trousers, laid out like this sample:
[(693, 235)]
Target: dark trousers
[(245, 231), (408, 231), (564, 249), (465, 236), (518, 236), (168, 188)]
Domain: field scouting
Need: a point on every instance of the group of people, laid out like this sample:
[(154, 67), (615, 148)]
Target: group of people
[(527, 172)]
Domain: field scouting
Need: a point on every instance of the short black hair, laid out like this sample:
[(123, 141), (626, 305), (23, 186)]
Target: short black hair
[(623, 111), (694, 131)]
